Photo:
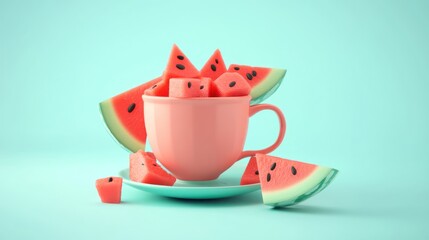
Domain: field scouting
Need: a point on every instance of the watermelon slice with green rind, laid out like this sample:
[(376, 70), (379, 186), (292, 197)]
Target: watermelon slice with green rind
[(287, 182), (123, 116), (263, 81)]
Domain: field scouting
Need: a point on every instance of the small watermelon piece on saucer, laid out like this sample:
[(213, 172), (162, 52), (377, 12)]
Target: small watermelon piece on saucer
[(124, 116), (109, 189), (251, 173), (145, 169), (286, 182), (263, 81), (214, 67)]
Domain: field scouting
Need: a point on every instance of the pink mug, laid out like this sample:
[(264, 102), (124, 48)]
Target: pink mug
[(197, 139)]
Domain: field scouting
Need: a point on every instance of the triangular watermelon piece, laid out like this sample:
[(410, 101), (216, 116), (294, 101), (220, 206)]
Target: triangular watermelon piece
[(287, 182), (179, 66), (145, 169), (251, 173), (263, 81), (214, 67), (123, 115)]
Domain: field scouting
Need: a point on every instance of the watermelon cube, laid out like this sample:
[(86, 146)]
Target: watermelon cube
[(205, 87), (185, 87), (160, 89), (145, 169), (230, 85), (251, 173), (109, 189)]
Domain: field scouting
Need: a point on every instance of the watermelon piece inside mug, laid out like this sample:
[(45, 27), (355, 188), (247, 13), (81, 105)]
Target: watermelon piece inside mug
[(263, 81), (179, 66), (287, 182), (160, 89), (230, 85), (214, 67)]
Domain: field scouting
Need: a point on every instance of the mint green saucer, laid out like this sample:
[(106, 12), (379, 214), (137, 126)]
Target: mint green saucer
[(224, 186)]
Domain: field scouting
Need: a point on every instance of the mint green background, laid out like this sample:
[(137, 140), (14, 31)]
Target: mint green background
[(355, 98)]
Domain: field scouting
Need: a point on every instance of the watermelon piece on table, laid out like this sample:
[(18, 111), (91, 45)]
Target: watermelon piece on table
[(109, 189), (230, 85), (179, 66), (251, 173), (145, 169), (263, 81), (287, 182), (124, 117), (214, 67)]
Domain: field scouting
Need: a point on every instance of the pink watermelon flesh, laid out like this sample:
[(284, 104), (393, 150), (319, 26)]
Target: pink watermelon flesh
[(145, 169), (251, 173), (109, 189), (230, 85), (263, 81), (123, 115), (185, 87), (287, 182), (159, 89), (179, 66), (253, 75), (205, 87), (214, 67)]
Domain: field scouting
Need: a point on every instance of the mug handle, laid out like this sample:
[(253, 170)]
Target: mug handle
[(260, 107)]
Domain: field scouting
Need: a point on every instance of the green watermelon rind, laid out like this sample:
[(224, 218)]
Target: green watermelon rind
[(116, 129), (268, 86), (308, 187)]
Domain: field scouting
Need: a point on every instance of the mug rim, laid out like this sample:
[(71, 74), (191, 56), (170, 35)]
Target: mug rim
[(196, 99)]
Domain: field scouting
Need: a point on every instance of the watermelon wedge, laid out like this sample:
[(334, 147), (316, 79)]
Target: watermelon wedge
[(263, 81), (179, 66), (251, 173), (123, 116), (286, 182), (214, 67)]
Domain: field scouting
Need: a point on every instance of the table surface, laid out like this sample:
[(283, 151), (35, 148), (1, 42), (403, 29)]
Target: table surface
[(56, 199)]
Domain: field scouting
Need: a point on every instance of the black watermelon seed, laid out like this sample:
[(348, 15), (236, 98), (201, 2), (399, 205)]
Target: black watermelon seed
[(236, 68), (254, 73), (232, 84), (189, 84), (180, 66), (131, 107), (257, 172), (216, 61), (154, 86), (110, 179), (293, 169), (273, 166), (154, 164), (249, 76), (142, 164), (213, 67), (180, 57), (202, 86), (268, 177)]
